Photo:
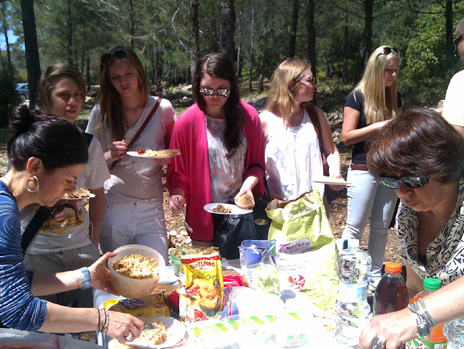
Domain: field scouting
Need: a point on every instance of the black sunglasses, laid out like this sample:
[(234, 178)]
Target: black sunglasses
[(457, 41), (311, 80), (387, 50), (408, 181), (119, 54)]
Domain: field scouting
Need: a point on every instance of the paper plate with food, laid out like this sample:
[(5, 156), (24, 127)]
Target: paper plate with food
[(154, 154), (79, 194), (329, 180), (159, 332), (220, 208)]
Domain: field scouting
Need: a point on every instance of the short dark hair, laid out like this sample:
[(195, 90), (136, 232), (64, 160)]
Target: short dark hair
[(50, 138), (221, 66), (419, 142)]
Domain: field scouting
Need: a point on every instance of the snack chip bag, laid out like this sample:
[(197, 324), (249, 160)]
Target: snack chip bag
[(149, 306), (202, 294)]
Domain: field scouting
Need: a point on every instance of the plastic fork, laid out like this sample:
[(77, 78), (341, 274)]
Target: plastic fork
[(189, 229)]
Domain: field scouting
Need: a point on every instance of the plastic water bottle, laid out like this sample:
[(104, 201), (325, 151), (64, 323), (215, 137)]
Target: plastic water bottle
[(436, 339), (352, 310), (391, 293), (454, 333)]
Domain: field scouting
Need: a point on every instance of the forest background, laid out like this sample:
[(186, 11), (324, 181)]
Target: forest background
[(337, 36)]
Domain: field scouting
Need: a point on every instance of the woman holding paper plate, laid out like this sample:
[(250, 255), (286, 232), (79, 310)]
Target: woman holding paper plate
[(128, 119), (220, 141), (293, 128)]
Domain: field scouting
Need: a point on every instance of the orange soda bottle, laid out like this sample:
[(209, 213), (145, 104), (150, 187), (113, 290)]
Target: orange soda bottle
[(436, 340)]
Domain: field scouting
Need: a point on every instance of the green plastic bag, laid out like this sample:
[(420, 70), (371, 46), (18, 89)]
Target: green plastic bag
[(299, 218), (307, 252)]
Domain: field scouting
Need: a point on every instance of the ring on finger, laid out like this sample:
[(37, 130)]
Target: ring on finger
[(377, 343), (129, 337)]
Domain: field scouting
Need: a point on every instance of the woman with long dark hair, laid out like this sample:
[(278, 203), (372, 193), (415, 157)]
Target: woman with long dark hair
[(219, 138)]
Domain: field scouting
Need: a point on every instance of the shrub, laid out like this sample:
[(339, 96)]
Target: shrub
[(8, 97)]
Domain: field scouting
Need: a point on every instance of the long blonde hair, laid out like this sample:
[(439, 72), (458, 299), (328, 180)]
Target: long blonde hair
[(281, 94), (109, 99), (380, 102)]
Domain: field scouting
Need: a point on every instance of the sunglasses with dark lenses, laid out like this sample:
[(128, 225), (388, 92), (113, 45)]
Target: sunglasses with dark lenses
[(408, 181), (209, 92), (311, 80), (457, 41), (387, 50), (119, 54)]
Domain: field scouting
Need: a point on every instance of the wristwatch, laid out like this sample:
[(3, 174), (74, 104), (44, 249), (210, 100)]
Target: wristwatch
[(423, 329)]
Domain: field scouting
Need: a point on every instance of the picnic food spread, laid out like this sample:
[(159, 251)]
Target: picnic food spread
[(136, 266), (158, 153), (77, 194), (222, 209)]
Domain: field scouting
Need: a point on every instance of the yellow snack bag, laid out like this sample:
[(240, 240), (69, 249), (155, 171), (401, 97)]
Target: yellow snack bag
[(149, 306)]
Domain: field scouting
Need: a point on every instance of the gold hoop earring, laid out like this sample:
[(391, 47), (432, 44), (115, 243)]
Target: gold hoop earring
[(34, 178)]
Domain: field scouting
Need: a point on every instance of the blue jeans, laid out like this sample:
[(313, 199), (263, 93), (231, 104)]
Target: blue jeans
[(367, 198)]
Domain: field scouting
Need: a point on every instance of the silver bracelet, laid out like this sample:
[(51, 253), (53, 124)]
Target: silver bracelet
[(107, 322), (428, 317)]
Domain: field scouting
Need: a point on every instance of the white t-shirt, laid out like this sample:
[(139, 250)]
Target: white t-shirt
[(292, 155), (226, 174), (135, 178), (453, 107), (68, 227)]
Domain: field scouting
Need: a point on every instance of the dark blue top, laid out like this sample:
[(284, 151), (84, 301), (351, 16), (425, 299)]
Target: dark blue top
[(356, 101), (19, 309)]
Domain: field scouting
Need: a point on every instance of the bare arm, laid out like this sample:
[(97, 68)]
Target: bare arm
[(248, 184), (330, 150), (177, 200), (350, 133), (444, 305), (96, 212)]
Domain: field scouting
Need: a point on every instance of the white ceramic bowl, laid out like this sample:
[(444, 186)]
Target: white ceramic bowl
[(134, 288)]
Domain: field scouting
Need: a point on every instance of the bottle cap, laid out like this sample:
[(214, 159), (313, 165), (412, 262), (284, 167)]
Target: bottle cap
[(353, 243), (392, 267), (432, 284)]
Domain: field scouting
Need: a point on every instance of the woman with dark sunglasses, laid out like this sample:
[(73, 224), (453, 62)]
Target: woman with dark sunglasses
[(134, 192), (371, 105), (293, 152), (219, 138), (422, 157)]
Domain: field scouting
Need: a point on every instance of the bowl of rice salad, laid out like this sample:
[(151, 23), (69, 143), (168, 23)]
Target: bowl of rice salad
[(135, 270)]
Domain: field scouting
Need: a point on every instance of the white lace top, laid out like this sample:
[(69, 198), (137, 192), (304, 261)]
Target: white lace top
[(293, 156)]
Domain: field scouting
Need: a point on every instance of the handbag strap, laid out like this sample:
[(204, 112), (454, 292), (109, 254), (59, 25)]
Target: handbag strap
[(265, 181), (34, 225), (145, 123)]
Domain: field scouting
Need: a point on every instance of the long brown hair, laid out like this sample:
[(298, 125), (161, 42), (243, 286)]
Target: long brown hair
[(109, 99), (220, 66)]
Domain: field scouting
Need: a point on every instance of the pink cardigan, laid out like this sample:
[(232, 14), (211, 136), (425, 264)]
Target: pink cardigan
[(190, 170)]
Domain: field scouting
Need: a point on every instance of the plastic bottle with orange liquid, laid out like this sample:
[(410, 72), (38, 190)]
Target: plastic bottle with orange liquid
[(436, 340)]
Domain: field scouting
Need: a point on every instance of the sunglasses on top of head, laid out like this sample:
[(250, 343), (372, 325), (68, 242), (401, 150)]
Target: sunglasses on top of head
[(209, 92), (119, 54), (311, 80), (408, 181), (387, 50)]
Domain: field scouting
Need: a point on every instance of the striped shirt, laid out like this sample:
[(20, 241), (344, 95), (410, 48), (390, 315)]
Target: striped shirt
[(19, 309)]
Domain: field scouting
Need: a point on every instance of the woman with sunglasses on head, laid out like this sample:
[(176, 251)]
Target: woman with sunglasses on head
[(421, 157), (47, 154), (219, 139), (293, 152), (134, 193), (69, 237), (373, 103)]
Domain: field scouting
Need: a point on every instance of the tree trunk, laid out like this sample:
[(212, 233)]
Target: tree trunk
[(131, 23), (293, 28), (87, 73), (228, 29), (365, 45), (449, 33), (32, 50), (261, 83), (240, 37), (5, 31), (194, 37), (311, 28), (70, 34), (250, 78), (346, 53)]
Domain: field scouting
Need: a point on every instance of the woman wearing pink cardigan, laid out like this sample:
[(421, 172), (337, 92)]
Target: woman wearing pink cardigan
[(220, 139)]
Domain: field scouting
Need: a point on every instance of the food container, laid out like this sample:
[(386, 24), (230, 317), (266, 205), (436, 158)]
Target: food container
[(129, 287)]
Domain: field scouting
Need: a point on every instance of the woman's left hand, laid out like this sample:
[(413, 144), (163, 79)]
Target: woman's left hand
[(100, 275), (337, 187)]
